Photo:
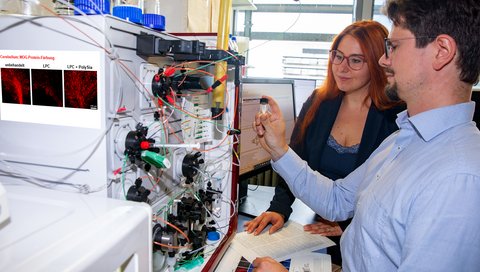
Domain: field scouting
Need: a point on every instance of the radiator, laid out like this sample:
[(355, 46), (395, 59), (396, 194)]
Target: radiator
[(267, 178)]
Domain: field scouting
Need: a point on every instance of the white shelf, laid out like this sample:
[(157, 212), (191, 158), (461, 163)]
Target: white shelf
[(243, 5)]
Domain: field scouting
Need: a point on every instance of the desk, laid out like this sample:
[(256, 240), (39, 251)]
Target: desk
[(257, 201)]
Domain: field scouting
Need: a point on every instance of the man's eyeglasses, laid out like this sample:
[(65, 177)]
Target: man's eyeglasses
[(355, 62), (389, 45)]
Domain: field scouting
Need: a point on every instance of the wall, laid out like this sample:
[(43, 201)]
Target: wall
[(190, 15)]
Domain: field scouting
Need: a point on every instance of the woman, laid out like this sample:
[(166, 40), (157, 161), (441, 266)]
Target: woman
[(340, 124)]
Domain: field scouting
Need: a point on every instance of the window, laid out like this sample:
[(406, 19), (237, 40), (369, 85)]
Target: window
[(290, 39), (379, 16)]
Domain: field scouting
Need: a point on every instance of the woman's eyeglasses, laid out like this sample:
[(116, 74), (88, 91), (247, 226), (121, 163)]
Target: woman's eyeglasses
[(355, 62)]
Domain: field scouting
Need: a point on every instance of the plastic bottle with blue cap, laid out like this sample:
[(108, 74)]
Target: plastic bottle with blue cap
[(130, 10), (213, 237), (151, 15), (232, 43), (93, 7), (235, 44)]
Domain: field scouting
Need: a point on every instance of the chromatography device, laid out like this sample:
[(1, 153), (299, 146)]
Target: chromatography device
[(110, 113)]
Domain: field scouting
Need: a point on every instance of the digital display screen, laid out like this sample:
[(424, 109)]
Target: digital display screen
[(252, 155)]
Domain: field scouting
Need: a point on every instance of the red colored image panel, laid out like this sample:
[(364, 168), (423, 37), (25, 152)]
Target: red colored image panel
[(15, 86), (81, 89), (47, 88)]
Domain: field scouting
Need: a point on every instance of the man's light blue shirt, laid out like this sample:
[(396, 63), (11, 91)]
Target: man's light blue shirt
[(415, 200)]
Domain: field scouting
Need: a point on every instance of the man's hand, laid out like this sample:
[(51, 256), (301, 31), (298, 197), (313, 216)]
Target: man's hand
[(258, 224), (270, 129), (267, 264)]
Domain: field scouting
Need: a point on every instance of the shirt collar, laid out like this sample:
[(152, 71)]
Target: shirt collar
[(431, 123)]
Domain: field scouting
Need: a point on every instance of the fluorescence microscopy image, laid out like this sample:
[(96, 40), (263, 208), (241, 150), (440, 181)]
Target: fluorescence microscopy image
[(81, 89), (47, 88), (15, 85)]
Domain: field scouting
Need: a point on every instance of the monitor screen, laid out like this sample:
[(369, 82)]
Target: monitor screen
[(252, 155), (303, 89)]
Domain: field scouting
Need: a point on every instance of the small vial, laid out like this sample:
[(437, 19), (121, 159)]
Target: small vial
[(263, 105)]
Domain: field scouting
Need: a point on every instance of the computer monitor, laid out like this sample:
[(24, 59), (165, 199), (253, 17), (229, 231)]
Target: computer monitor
[(303, 88), (252, 156)]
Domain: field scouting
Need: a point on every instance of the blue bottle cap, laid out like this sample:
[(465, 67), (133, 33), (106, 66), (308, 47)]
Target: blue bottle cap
[(154, 21), (92, 7), (213, 236), (129, 13)]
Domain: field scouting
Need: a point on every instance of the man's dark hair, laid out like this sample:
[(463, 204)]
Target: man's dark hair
[(459, 19)]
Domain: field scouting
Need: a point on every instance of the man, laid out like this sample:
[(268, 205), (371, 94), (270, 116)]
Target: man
[(414, 202)]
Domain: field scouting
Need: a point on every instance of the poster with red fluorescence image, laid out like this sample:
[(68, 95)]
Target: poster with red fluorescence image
[(81, 89), (47, 88), (15, 86), (61, 88)]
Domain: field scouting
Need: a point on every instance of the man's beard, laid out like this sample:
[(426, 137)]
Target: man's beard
[(392, 92)]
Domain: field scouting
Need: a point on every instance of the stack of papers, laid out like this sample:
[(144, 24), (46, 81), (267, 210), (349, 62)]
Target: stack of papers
[(284, 244)]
